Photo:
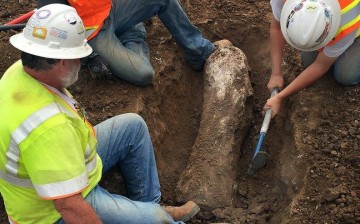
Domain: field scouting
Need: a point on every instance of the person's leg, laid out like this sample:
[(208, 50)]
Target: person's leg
[(347, 66), (130, 62), (134, 39), (112, 208), (197, 49), (308, 57), (124, 142), (127, 13)]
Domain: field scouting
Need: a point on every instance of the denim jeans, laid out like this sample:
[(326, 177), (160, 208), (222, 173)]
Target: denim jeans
[(121, 42), (124, 142), (346, 68)]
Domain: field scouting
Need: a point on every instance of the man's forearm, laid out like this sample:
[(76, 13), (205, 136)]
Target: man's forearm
[(312, 73), (75, 210), (41, 3)]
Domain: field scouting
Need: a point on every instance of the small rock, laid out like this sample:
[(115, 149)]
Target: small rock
[(23, 2)]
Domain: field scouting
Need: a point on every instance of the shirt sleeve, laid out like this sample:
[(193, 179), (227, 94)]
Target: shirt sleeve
[(340, 47), (276, 7), (41, 3), (55, 162)]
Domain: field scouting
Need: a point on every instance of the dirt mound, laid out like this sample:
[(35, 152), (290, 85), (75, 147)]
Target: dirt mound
[(313, 172)]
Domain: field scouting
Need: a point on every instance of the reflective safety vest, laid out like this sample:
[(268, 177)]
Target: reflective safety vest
[(47, 151), (350, 20), (93, 13)]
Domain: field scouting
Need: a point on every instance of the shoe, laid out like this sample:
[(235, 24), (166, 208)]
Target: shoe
[(184, 212), (197, 67), (217, 45), (97, 66), (222, 43)]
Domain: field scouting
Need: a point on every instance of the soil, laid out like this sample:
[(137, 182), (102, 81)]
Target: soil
[(313, 171)]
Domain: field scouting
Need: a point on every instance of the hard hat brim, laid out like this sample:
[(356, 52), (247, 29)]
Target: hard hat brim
[(21, 43)]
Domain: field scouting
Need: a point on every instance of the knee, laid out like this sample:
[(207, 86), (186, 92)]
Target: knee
[(132, 117), (144, 76), (307, 58), (135, 120), (346, 77), (346, 80)]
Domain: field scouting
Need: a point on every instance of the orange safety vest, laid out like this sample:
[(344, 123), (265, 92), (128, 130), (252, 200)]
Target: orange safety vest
[(92, 12), (349, 26)]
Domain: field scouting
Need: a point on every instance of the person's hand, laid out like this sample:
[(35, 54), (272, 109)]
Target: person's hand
[(276, 80), (274, 103)]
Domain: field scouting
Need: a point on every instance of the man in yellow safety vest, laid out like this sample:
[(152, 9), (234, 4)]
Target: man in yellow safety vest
[(326, 31), (51, 157)]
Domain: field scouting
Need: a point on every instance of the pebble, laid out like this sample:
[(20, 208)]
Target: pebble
[(23, 2)]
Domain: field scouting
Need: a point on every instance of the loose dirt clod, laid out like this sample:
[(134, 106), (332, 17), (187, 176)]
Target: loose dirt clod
[(210, 175)]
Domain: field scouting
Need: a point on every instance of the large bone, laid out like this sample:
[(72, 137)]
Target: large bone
[(210, 176)]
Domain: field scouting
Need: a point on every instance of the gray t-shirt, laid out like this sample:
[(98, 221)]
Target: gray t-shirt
[(340, 47)]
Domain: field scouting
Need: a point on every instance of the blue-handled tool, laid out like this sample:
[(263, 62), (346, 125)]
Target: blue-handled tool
[(260, 155)]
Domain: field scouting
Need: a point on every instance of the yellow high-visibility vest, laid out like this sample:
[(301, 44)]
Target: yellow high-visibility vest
[(349, 24), (47, 150)]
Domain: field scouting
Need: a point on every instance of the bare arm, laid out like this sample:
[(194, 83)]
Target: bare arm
[(75, 210), (314, 72), (277, 43)]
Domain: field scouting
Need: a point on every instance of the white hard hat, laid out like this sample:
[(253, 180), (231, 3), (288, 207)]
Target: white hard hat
[(53, 31), (309, 25)]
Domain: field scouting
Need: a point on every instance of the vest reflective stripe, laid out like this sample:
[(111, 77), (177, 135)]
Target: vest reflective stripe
[(60, 189), (25, 182), (348, 17), (90, 166), (23, 131), (346, 5), (349, 24), (12, 155), (87, 151), (353, 26), (10, 221), (21, 182)]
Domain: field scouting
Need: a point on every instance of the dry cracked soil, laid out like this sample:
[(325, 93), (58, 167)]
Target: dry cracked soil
[(313, 171)]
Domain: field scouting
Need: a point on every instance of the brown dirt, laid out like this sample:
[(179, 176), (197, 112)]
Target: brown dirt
[(312, 175)]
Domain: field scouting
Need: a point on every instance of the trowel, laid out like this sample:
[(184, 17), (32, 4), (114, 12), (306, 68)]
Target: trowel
[(260, 154)]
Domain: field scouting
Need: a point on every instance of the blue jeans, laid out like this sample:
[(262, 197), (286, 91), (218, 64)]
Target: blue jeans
[(124, 142), (346, 68), (121, 42)]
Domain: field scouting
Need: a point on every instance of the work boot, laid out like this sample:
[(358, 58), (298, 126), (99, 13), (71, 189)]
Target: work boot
[(217, 45), (97, 66), (222, 43), (184, 212)]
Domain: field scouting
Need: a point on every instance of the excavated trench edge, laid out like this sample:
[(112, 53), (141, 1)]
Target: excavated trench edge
[(282, 165)]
